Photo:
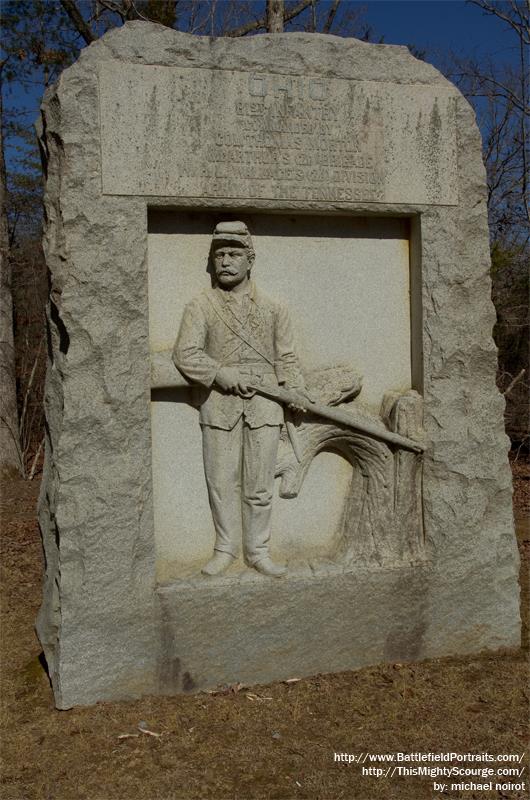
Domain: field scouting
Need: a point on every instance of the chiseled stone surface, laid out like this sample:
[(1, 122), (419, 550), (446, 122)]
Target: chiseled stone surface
[(107, 629)]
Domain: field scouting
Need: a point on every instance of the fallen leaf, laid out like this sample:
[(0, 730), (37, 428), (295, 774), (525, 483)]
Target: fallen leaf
[(258, 697), (142, 727)]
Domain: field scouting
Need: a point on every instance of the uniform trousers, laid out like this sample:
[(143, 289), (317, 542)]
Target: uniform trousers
[(239, 465)]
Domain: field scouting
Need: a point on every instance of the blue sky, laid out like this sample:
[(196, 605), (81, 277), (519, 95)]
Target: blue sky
[(439, 26), (436, 26)]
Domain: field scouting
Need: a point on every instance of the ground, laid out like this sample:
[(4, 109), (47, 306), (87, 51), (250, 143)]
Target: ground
[(266, 742)]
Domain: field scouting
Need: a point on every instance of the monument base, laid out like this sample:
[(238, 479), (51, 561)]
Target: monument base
[(249, 629)]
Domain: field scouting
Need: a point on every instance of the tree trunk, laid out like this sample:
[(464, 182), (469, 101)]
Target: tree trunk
[(10, 457), (275, 10)]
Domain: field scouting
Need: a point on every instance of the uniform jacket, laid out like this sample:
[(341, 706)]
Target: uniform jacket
[(254, 336)]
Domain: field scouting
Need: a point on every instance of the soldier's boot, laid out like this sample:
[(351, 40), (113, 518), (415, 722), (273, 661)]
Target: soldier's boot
[(267, 567), (218, 564)]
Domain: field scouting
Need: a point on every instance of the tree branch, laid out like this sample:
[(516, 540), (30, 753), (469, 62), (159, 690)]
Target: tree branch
[(35, 461), (514, 382), (521, 28), (78, 22), (331, 17)]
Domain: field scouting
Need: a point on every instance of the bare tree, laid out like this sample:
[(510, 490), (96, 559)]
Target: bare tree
[(194, 16), (499, 93), (10, 455), (33, 53)]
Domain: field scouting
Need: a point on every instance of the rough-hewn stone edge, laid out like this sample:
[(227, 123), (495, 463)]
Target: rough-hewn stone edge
[(49, 617), (90, 386), (290, 53), (467, 479)]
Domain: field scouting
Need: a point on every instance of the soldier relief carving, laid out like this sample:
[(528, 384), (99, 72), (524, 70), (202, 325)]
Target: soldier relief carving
[(261, 418)]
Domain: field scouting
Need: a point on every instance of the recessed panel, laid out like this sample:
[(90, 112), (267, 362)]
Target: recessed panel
[(346, 284)]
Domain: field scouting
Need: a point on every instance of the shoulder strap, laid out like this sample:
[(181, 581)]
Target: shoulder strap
[(238, 332)]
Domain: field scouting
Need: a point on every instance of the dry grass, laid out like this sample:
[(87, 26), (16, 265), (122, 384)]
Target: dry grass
[(273, 741)]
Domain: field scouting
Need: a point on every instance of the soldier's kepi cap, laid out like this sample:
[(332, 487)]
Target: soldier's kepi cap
[(232, 232)]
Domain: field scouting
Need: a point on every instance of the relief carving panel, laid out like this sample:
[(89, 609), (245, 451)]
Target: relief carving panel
[(236, 347)]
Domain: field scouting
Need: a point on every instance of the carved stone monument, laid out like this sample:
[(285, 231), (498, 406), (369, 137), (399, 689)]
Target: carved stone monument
[(274, 442)]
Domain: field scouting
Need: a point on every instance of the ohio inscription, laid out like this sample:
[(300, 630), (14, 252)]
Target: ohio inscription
[(176, 132)]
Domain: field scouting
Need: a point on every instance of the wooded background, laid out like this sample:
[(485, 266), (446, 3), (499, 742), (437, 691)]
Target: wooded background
[(42, 37)]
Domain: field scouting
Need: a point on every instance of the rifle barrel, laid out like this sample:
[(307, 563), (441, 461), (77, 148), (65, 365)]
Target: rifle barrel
[(340, 416)]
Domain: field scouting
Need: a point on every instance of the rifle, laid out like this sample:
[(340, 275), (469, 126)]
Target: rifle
[(338, 415)]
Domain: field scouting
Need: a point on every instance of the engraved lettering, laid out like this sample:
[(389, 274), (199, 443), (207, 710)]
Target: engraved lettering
[(317, 90), (262, 135), (257, 85), (284, 86)]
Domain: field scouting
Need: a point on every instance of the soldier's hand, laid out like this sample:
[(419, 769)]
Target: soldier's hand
[(229, 379), (303, 399), (245, 391)]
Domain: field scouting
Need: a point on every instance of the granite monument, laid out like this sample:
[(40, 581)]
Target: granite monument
[(269, 335)]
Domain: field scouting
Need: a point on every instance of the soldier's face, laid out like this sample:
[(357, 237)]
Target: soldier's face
[(232, 265)]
